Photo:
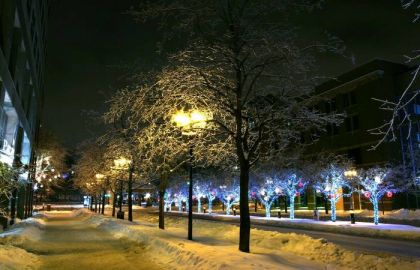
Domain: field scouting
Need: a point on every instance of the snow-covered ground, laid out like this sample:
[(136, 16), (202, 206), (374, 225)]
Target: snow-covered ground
[(391, 231), (214, 245)]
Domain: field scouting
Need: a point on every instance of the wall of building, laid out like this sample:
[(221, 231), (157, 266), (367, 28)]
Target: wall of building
[(22, 61)]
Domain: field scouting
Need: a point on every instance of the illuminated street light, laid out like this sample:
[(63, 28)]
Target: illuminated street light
[(189, 122)]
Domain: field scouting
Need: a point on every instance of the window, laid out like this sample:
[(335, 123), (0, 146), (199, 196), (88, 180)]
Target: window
[(352, 123), (330, 106), (332, 129), (349, 99), (417, 109)]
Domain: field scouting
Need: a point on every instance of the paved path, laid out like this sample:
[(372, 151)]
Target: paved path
[(69, 243)]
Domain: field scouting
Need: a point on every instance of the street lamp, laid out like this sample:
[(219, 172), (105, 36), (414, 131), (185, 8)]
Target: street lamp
[(190, 122), (351, 174), (121, 164)]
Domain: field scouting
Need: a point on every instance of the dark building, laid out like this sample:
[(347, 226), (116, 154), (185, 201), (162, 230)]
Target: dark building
[(22, 59), (352, 93)]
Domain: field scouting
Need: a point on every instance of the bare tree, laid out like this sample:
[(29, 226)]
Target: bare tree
[(242, 66), (400, 114)]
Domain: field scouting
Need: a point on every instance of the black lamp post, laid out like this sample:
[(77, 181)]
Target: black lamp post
[(188, 122)]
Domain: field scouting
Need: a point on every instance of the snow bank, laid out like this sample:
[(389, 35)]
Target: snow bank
[(215, 247), (27, 230), (368, 229), (12, 258)]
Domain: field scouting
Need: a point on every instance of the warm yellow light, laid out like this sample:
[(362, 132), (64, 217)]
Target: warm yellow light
[(99, 176), (181, 119), (197, 117), (350, 173), (121, 162)]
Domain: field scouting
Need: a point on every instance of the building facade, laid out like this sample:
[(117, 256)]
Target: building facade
[(22, 61), (353, 94)]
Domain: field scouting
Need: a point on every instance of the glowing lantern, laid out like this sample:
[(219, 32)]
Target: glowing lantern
[(367, 194), (389, 194)]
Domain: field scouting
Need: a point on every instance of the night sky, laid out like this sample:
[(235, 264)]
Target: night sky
[(93, 46)]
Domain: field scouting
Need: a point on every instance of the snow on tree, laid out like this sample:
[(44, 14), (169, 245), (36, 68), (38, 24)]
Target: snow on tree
[(8, 184), (169, 199), (267, 190), (199, 194), (400, 112), (246, 70), (376, 182), (331, 183), (91, 170), (229, 194), (49, 163), (211, 193), (292, 186)]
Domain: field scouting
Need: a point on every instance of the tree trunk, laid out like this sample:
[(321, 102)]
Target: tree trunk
[(96, 204), (114, 202), (13, 207), (245, 221), (130, 193), (161, 209), (375, 211), (292, 207), (103, 202), (333, 211)]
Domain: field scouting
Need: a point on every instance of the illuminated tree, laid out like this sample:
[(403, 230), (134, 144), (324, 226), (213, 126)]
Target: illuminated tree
[(376, 182), (91, 171), (211, 193), (169, 199), (291, 186), (49, 163), (331, 184), (267, 190), (251, 77), (199, 193), (229, 194)]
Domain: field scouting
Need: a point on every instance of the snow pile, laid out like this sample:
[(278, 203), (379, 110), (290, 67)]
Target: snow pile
[(215, 247), (403, 214), (27, 230), (16, 258)]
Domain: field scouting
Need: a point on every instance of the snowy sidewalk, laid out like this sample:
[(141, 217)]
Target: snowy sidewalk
[(368, 229)]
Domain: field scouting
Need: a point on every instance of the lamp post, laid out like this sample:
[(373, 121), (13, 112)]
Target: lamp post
[(121, 164), (351, 174), (189, 122)]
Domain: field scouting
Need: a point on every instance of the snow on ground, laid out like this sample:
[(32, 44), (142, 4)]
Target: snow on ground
[(11, 255), (12, 258), (215, 247), (392, 231)]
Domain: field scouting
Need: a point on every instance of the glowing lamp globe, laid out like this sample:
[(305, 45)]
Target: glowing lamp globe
[(389, 194)]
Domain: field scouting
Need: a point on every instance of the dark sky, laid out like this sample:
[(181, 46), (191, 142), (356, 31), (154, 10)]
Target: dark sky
[(92, 45)]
